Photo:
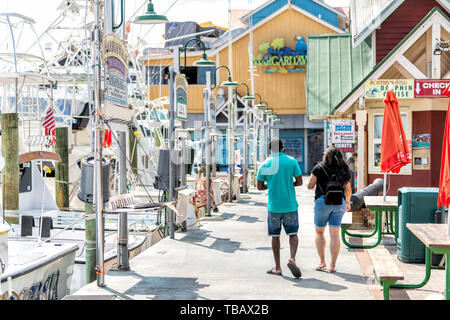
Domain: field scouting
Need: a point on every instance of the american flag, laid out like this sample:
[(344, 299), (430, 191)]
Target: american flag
[(50, 125)]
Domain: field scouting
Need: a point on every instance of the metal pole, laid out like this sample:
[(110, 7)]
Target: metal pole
[(171, 148), (123, 255), (245, 162), (230, 145), (256, 144), (98, 190), (207, 151)]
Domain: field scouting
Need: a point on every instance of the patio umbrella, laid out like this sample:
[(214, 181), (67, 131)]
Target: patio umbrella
[(444, 181), (394, 147)]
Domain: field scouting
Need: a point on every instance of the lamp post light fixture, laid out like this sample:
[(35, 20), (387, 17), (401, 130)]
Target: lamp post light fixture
[(437, 51), (247, 96), (150, 16), (227, 83), (203, 62), (259, 105), (268, 111)]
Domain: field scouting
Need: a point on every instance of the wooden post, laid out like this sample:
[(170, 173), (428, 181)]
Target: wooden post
[(62, 168), (91, 251), (133, 151), (10, 172)]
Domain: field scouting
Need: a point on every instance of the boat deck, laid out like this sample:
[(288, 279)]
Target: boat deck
[(228, 256)]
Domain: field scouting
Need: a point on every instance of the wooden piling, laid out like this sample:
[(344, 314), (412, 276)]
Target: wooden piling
[(10, 172), (91, 251), (62, 169)]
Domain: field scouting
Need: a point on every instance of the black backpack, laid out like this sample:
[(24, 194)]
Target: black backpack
[(333, 189)]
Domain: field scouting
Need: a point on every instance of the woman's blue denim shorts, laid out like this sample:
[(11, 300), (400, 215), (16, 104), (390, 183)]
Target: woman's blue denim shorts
[(289, 221), (331, 214)]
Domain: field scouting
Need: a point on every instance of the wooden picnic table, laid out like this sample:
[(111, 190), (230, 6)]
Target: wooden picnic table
[(378, 205), (436, 239)]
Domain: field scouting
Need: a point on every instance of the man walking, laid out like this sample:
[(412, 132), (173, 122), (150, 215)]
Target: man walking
[(279, 172)]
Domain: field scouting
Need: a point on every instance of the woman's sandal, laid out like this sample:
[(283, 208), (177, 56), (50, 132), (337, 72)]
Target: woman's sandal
[(319, 268)]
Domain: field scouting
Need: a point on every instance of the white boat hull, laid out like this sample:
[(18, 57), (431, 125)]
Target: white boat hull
[(38, 273)]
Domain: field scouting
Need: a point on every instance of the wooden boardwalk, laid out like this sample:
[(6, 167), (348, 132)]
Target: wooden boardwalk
[(228, 256)]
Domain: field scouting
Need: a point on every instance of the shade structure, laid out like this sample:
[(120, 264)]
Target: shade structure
[(395, 152), (444, 181)]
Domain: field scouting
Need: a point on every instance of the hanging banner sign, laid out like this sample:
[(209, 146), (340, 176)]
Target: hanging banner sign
[(212, 109), (115, 61), (282, 59), (430, 88), (343, 131), (181, 86), (376, 89)]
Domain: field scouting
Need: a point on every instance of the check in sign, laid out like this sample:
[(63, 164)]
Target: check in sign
[(430, 88), (343, 131)]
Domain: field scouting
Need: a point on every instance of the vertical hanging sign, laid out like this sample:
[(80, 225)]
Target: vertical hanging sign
[(181, 86), (212, 105), (115, 60)]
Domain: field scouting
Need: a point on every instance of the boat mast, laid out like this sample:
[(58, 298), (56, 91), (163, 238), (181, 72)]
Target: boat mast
[(98, 185)]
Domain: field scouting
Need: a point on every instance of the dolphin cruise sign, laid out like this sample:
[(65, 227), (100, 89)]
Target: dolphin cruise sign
[(282, 59)]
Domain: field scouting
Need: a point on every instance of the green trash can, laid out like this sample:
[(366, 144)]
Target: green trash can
[(415, 205)]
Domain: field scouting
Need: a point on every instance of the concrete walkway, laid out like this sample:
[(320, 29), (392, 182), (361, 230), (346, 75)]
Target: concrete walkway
[(227, 258)]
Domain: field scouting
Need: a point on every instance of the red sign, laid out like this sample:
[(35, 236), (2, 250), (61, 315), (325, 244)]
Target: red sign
[(430, 88)]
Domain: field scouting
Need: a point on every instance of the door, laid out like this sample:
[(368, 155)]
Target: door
[(315, 149)]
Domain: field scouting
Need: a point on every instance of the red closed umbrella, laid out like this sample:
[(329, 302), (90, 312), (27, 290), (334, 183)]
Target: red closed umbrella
[(444, 181), (395, 152)]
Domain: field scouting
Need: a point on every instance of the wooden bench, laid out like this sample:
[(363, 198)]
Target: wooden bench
[(385, 269)]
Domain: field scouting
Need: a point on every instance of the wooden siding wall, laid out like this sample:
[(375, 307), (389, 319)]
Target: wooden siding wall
[(400, 23), (285, 93), (195, 92)]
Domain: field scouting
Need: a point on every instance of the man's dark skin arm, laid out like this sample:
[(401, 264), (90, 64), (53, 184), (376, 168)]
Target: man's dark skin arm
[(298, 181), (261, 185)]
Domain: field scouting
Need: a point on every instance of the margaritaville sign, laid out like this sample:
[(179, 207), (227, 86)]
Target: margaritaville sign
[(282, 59)]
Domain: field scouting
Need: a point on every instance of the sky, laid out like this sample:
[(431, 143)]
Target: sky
[(44, 12)]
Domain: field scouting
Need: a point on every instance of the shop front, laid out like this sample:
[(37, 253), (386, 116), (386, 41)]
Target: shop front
[(269, 55)]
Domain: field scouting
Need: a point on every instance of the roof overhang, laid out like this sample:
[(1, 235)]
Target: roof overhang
[(273, 15), (323, 4), (375, 20), (435, 16), (215, 51)]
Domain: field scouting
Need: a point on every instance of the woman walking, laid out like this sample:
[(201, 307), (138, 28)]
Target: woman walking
[(332, 199)]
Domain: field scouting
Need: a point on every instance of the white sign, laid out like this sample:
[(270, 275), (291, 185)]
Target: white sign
[(343, 131)]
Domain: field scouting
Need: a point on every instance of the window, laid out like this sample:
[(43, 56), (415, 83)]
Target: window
[(375, 132), (197, 75), (157, 75)]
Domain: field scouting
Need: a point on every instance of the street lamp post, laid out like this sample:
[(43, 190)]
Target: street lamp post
[(229, 83), (246, 98)]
